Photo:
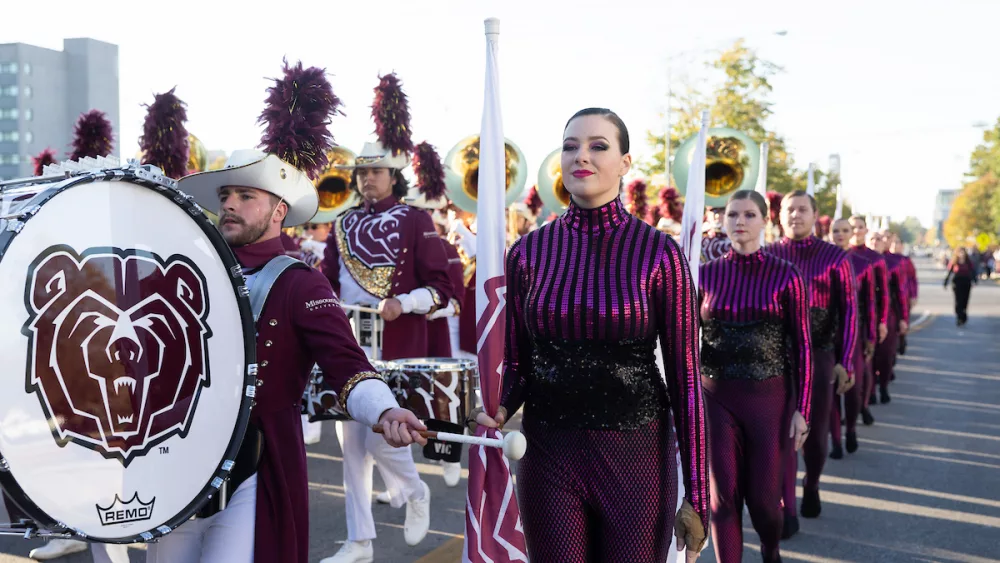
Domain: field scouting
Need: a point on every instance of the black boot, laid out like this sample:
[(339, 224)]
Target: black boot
[(836, 452), (873, 400), (852, 442), (776, 558), (867, 418), (790, 527), (811, 506), (884, 393)]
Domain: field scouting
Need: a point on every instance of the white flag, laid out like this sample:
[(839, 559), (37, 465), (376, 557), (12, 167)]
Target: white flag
[(694, 203), (811, 180), (493, 531)]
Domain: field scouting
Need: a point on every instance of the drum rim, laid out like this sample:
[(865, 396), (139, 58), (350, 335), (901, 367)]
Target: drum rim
[(404, 364), (166, 188)]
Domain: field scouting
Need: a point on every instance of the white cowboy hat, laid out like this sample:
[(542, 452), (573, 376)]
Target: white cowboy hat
[(373, 155), (415, 198), (255, 169)]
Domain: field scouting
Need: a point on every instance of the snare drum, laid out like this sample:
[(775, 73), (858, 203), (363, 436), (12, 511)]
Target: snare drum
[(322, 403), (129, 341), (436, 388)]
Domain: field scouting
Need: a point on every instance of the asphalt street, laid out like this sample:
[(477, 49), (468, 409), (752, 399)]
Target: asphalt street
[(924, 485)]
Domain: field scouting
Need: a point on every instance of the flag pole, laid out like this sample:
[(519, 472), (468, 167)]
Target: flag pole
[(493, 531), (761, 187)]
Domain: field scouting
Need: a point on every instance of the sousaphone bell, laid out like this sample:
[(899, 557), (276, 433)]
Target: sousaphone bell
[(334, 186), (551, 189), (461, 167), (731, 162)]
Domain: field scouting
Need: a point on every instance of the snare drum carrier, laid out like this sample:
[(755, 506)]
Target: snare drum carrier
[(128, 344)]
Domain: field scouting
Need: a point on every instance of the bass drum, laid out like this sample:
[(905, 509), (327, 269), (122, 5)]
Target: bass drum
[(128, 340)]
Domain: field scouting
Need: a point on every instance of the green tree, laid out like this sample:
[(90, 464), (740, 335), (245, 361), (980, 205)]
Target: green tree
[(971, 212), (740, 101), (909, 230), (986, 156)]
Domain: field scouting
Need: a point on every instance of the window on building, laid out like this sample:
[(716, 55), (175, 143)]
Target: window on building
[(28, 137), (15, 159), (27, 68), (9, 91), (10, 113), (28, 114), (27, 91), (8, 68), (9, 136)]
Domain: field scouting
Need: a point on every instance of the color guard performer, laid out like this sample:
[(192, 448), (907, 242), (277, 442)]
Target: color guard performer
[(715, 243), (262, 513), (859, 230), (756, 365), (829, 276), (864, 273), (899, 312)]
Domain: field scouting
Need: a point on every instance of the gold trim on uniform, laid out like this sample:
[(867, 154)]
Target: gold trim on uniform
[(377, 281), (353, 382), (436, 297)]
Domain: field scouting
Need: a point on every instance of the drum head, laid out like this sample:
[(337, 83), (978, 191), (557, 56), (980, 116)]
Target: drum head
[(126, 346)]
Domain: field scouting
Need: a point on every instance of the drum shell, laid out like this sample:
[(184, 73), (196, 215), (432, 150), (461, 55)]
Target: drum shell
[(436, 388)]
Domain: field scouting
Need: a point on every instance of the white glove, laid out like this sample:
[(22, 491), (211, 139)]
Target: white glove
[(448, 311)]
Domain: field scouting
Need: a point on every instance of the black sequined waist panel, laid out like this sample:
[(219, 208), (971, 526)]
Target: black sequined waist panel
[(823, 328), (594, 384), (750, 351)]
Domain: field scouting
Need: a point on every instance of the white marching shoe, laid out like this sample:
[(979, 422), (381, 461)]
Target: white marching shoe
[(57, 548), (452, 473), (383, 498), (353, 552), (418, 517), (311, 431)]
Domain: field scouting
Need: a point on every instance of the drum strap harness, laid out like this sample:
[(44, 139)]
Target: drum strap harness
[(252, 447)]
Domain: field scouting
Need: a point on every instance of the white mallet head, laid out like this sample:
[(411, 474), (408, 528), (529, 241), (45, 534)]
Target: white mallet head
[(514, 445)]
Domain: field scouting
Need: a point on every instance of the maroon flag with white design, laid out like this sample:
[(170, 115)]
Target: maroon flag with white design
[(493, 532)]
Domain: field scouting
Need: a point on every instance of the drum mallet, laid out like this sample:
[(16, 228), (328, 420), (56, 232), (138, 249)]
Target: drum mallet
[(513, 443)]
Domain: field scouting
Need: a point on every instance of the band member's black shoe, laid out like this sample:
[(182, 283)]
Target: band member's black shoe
[(811, 506), (836, 452), (852, 442), (867, 418), (884, 396), (873, 400), (790, 527)]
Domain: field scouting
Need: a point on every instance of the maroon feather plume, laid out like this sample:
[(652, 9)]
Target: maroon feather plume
[(823, 226), (392, 115), (297, 115), (635, 196), (44, 158), (164, 140), (774, 205), (429, 171), (669, 196), (534, 201), (93, 136)]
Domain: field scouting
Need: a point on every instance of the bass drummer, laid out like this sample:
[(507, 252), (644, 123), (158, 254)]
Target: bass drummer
[(266, 517)]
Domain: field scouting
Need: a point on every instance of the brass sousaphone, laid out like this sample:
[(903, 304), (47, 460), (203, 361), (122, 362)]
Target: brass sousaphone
[(461, 167), (334, 186), (550, 185), (732, 160)]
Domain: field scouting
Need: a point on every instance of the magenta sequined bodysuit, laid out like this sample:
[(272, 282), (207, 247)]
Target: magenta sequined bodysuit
[(588, 296), (833, 310), (864, 275), (757, 367)]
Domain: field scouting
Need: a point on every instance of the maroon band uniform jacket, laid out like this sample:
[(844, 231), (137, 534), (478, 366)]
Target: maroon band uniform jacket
[(301, 325), (390, 249)]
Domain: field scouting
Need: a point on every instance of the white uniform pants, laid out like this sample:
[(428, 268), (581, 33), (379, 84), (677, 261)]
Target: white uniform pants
[(362, 448), (109, 553), (225, 537)]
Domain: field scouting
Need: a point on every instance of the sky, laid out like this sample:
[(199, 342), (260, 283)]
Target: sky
[(895, 88)]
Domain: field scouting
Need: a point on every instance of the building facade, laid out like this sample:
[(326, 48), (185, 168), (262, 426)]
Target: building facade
[(942, 208), (42, 94)]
